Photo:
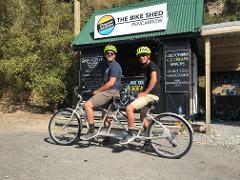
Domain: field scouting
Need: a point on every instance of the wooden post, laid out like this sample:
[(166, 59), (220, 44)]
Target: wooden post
[(76, 17), (208, 82), (77, 53)]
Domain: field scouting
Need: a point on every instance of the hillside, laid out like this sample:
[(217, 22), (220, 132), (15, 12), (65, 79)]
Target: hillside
[(217, 11)]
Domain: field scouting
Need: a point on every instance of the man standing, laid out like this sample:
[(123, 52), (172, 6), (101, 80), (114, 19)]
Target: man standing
[(105, 93), (151, 92)]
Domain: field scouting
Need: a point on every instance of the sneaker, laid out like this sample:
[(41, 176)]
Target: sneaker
[(106, 141), (127, 139), (143, 135), (147, 146), (89, 135)]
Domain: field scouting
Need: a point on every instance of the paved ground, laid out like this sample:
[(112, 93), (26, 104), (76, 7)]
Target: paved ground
[(26, 152)]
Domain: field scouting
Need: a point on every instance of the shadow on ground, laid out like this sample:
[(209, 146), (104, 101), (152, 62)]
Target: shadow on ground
[(112, 144), (116, 147)]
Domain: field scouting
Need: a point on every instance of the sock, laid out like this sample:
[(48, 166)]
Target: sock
[(145, 128), (130, 131), (91, 127)]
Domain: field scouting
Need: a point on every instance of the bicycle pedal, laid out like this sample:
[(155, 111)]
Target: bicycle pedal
[(147, 146), (137, 140)]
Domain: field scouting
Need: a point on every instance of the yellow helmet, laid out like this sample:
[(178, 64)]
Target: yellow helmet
[(143, 50), (110, 48)]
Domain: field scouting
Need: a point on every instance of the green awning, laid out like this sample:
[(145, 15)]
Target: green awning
[(184, 16)]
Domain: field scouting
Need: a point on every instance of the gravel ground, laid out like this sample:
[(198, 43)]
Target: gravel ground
[(222, 134)]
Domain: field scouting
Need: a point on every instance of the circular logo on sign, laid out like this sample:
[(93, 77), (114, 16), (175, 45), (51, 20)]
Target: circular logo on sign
[(106, 25)]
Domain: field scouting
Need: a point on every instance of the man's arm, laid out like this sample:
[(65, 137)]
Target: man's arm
[(110, 83), (152, 83)]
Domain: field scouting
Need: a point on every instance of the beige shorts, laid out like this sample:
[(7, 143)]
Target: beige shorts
[(104, 97), (141, 102)]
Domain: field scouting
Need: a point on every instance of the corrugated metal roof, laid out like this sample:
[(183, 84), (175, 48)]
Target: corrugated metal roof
[(184, 16)]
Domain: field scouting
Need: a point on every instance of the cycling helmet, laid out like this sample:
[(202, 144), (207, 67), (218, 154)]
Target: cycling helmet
[(110, 48), (143, 50)]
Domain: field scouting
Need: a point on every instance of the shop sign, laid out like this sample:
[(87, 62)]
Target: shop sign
[(146, 19), (135, 83), (177, 70)]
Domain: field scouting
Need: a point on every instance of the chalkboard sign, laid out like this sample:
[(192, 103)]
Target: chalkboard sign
[(177, 70), (92, 68)]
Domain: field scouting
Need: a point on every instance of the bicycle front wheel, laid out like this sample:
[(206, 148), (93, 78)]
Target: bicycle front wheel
[(64, 127), (171, 135)]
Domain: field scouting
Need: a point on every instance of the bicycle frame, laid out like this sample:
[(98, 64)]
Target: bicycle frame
[(169, 135), (114, 113)]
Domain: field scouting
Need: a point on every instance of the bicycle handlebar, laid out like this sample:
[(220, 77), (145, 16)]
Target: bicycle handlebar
[(80, 94)]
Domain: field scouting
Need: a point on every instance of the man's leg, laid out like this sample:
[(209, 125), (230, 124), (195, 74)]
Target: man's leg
[(95, 101), (143, 117), (107, 121), (138, 103), (131, 118), (88, 106)]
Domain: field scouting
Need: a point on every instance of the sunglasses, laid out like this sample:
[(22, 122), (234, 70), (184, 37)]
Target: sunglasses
[(109, 53), (142, 55)]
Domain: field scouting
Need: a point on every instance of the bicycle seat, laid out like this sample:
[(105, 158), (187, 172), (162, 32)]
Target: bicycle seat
[(114, 102), (115, 99), (152, 104)]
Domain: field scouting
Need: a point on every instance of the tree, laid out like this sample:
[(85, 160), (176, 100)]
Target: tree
[(35, 53), (230, 12)]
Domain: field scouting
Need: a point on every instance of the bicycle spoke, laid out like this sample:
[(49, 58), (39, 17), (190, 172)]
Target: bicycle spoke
[(62, 129), (172, 139)]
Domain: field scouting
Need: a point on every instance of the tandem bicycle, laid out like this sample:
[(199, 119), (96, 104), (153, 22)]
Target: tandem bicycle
[(169, 134)]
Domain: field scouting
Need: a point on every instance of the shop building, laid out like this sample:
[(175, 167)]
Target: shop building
[(171, 28), (222, 65)]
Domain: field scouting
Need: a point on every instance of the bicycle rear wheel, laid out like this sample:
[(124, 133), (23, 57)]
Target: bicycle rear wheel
[(171, 135), (64, 127)]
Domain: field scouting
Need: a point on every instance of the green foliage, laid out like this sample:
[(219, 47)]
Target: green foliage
[(49, 89), (35, 53), (231, 12)]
